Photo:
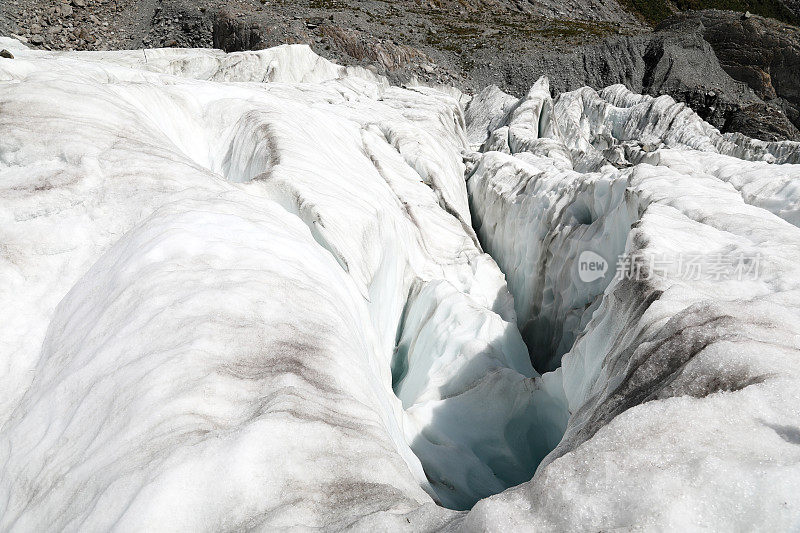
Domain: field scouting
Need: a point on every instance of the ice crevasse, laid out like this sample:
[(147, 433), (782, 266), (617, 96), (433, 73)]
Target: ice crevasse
[(255, 290)]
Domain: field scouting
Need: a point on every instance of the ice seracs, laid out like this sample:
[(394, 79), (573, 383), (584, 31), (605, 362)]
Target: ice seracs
[(682, 382), (255, 291)]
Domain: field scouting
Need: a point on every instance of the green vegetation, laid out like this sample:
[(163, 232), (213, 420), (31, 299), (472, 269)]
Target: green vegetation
[(328, 4), (654, 11), (575, 28), (469, 29), (765, 8)]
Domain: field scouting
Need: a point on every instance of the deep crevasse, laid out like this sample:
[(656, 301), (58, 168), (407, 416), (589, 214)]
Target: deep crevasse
[(657, 357), (260, 303), (180, 332)]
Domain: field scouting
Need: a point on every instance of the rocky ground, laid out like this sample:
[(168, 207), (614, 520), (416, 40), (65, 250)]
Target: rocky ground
[(760, 52), (737, 71)]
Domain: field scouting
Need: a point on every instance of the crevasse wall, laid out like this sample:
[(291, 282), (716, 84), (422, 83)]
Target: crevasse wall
[(242, 292), (192, 353), (681, 387)]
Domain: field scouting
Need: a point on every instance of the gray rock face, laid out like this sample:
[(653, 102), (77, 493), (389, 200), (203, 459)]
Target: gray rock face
[(738, 73), (733, 83), (761, 52), (472, 46), (677, 61), (234, 33)]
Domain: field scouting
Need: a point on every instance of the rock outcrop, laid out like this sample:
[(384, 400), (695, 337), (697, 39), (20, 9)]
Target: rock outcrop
[(761, 52), (736, 71)]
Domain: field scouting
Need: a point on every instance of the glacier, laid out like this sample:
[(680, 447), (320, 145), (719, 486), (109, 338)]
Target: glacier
[(260, 290)]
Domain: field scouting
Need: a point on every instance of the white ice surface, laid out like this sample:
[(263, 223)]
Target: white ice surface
[(683, 390), (244, 292), (207, 286)]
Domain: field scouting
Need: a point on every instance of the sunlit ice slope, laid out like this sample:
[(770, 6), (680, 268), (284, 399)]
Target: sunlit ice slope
[(217, 270), (679, 354), (244, 291)]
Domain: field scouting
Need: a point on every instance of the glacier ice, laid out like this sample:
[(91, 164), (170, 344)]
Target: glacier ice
[(124, 188), (682, 390), (256, 291)]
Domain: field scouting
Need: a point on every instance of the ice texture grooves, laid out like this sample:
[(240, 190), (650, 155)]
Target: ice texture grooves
[(254, 291), (207, 285), (682, 389)]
